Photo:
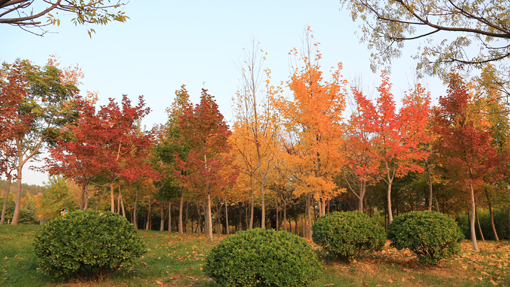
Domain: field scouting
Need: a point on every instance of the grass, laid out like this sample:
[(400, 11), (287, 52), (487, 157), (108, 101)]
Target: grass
[(173, 259)]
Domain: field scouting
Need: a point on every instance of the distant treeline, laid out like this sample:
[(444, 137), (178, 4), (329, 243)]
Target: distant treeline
[(30, 188)]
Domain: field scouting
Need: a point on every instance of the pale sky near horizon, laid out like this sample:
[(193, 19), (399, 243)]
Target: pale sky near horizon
[(198, 43)]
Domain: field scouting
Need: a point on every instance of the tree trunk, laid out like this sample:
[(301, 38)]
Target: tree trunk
[(147, 226), (181, 205), (199, 220), (86, 196), (437, 202), (263, 219), (208, 220), (390, 213), (473, 214), (251, 204), (277, 214), (162, 215), (169, 216), (18, 197), (492, 215), (362, 188), (187, 221), (82, 197), (111, 197), (6, 199), (285, 215), (135, 214), (122, 204), (226, 217), (480, 227), (309, 223), (431, 193)]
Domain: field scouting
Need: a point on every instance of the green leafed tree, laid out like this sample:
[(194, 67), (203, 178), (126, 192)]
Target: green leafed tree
[(45, 106), (451, 33), (28, 14)]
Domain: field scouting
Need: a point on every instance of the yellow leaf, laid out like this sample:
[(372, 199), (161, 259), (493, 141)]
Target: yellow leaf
[(159, 282)]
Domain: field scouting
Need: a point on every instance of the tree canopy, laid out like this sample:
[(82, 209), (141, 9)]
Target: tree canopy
[(453, 33), (28, 14)]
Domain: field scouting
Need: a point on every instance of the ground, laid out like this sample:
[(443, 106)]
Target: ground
[(173, 259)]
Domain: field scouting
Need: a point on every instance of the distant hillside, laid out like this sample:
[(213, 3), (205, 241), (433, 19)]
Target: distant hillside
[(30, 188)]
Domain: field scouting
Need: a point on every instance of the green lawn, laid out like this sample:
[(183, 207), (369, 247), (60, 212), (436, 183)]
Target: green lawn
[(173, 259)]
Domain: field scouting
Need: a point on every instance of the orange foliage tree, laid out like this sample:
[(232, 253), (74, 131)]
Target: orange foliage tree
[(313, 128), (256, 124)]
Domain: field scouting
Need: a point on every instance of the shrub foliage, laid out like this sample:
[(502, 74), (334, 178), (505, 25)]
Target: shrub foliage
[(262, 257), (347, 234), (431, 235), (88, 244)]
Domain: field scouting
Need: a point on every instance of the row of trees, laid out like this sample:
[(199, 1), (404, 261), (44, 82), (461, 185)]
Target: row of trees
[(305, 147)]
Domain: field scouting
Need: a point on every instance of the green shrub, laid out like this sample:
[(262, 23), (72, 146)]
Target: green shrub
[(87, 244), (262, 257), (347, 234), (431, 235)]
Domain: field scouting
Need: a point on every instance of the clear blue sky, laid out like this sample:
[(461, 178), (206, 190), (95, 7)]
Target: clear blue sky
[(198, 43)]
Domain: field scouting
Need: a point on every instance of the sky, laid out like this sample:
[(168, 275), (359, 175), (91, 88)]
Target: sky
[(168, 43)]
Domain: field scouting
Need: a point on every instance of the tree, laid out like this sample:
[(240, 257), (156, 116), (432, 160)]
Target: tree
[(169, 143), (396, 134), (46, 105), (205, 132), (256, 125), (313, 123), (464, 142), (28, 14), (451, 33), (11, 93), (388, 25)]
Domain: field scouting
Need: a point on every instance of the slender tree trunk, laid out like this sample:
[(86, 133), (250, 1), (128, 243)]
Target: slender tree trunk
[(147, 226), (390, 213), (263, 219), (199, 220), (226, 217), (180, 211), (162, 215), (118, 203), (17, 205), (285, 215), (86, 196), (304, 225), (111, 197), (480, 227), (209, 216), (473, 215), (492, 215), (122, 204), (431, 193), (361, 196), (277, 214), (251, 204), (437, 202), (82, 197), (296, 230), (309, 223), (187, 212), (135, 214), (169, 216), (6, 199)]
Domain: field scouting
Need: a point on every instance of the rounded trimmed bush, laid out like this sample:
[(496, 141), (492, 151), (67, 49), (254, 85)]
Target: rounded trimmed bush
[(431, 235), (347, 234), (87, 244), (263, 257)]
